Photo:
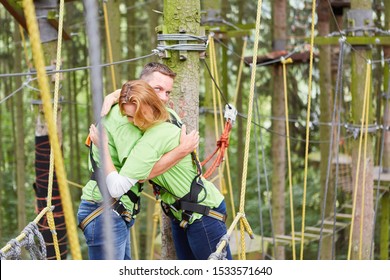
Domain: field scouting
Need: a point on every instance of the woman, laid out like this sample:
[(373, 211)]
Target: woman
[(197, 216)]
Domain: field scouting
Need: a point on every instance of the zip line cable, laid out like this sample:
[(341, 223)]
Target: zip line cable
[(257, 116), (338, 91), (155, 52)]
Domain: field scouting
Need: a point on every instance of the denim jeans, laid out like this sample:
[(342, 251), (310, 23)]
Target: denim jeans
[(200, 238), (94, 233)]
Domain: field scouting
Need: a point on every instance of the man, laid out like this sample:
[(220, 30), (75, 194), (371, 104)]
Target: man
[(122, 137)]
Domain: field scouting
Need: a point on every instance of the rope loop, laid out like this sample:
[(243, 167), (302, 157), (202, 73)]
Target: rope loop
[(221, 255)]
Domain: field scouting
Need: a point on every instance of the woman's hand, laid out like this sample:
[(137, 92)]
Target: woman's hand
[(110, 100), (95, 137)]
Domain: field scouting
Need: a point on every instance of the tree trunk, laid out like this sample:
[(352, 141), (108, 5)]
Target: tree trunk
[(326, 108), (182, 16), (278, 150), (113, 34), (19, 142), (364, 211)]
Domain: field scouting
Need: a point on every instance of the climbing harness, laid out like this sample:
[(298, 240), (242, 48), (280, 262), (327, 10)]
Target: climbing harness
[(189, 203), (115, 204)]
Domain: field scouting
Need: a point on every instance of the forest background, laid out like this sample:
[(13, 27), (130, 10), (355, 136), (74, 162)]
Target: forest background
[(131, 27)]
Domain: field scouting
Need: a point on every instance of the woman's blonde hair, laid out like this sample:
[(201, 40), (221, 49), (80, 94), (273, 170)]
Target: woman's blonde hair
[(143, 96)]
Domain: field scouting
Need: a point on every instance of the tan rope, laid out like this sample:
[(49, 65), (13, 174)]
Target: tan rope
[(365, 101), (107, 28), (284, 62)]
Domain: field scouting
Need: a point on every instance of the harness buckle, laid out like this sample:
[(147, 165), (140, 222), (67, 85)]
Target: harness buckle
[(119, 209), (186, 216)]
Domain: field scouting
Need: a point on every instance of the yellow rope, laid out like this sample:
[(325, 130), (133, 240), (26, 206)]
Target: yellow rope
[(29, 11), (21, 236), (28, 62), (367, 93), (213, 63), (284, 62), (249, 123), (75, 184), (313, 13), (365, 101), (156, 217), (109, 44), (50, 216), (214, 72)]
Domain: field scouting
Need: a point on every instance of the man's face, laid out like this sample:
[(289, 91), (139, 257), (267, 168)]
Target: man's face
[(161, 84)]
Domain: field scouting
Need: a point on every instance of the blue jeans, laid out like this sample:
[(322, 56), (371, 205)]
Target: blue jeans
[(94, 233), (200, 238)]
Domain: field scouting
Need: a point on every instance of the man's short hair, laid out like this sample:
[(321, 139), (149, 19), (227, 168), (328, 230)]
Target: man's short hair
[(152, 67)]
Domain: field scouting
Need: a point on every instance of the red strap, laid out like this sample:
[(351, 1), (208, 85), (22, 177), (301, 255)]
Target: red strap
[(222, 145)]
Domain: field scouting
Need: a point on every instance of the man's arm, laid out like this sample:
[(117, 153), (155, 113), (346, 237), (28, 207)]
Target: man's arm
[(188, 143), (110, 100)]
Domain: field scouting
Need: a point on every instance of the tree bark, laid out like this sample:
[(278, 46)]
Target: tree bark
[(364, 211), (182, 16), (326, 109)]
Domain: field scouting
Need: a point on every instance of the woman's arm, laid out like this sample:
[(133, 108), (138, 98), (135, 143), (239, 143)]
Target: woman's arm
[(117, 184)]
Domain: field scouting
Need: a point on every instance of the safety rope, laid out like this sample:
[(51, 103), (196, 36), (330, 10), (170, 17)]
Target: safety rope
[(313, 13), (156, 218), (50, 217), (365, 100), (29, 11), (223, 141), (244, 225), (108, 35), (243, 222), (367, 108), (284, 62), (28, 62)]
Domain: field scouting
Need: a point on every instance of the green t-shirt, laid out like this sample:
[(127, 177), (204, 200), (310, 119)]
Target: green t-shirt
[(122, 136), (155, 142)]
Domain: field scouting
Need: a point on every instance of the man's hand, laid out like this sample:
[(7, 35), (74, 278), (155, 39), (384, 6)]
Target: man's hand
[(188, 142), (110, 100)]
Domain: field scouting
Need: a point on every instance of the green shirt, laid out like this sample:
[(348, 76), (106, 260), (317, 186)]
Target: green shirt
[(122, 136), (155, 142)]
